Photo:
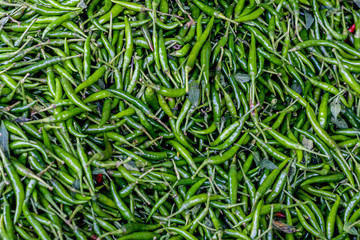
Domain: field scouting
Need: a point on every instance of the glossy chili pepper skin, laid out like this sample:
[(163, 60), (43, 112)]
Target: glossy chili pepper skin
[(16, 184), (179, 119)]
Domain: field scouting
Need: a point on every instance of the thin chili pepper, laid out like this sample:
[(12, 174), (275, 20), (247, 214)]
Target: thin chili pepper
[(16, 184), (158, 107), (196, 49)]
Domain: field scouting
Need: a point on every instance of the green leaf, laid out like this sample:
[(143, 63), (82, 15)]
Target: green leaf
[(267, 164), (357, 2), (309, 144), (82, 4), (96, 171), (350, 229), (297, 88), (208, 223), (131, 166), (4, 140), (76, 184), (21, 119), (309, 20), (222, 79), (257, 158), (242, 77), (196, 209), (136, 57), (284, 227), (292, 171), (101, 84), (335, 108), (331, 10), (4, 20), (339, 122), (194, 93)]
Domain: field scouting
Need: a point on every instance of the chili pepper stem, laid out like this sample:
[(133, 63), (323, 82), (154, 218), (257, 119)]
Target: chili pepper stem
[(206, 162), (118, 231)]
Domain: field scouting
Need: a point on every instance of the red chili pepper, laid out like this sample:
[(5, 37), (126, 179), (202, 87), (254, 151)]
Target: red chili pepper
[(99, 178), (94, 237), (280, 215), (352, 28)]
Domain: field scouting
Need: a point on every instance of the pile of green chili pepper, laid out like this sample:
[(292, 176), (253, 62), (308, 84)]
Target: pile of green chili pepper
[(181, 119)]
